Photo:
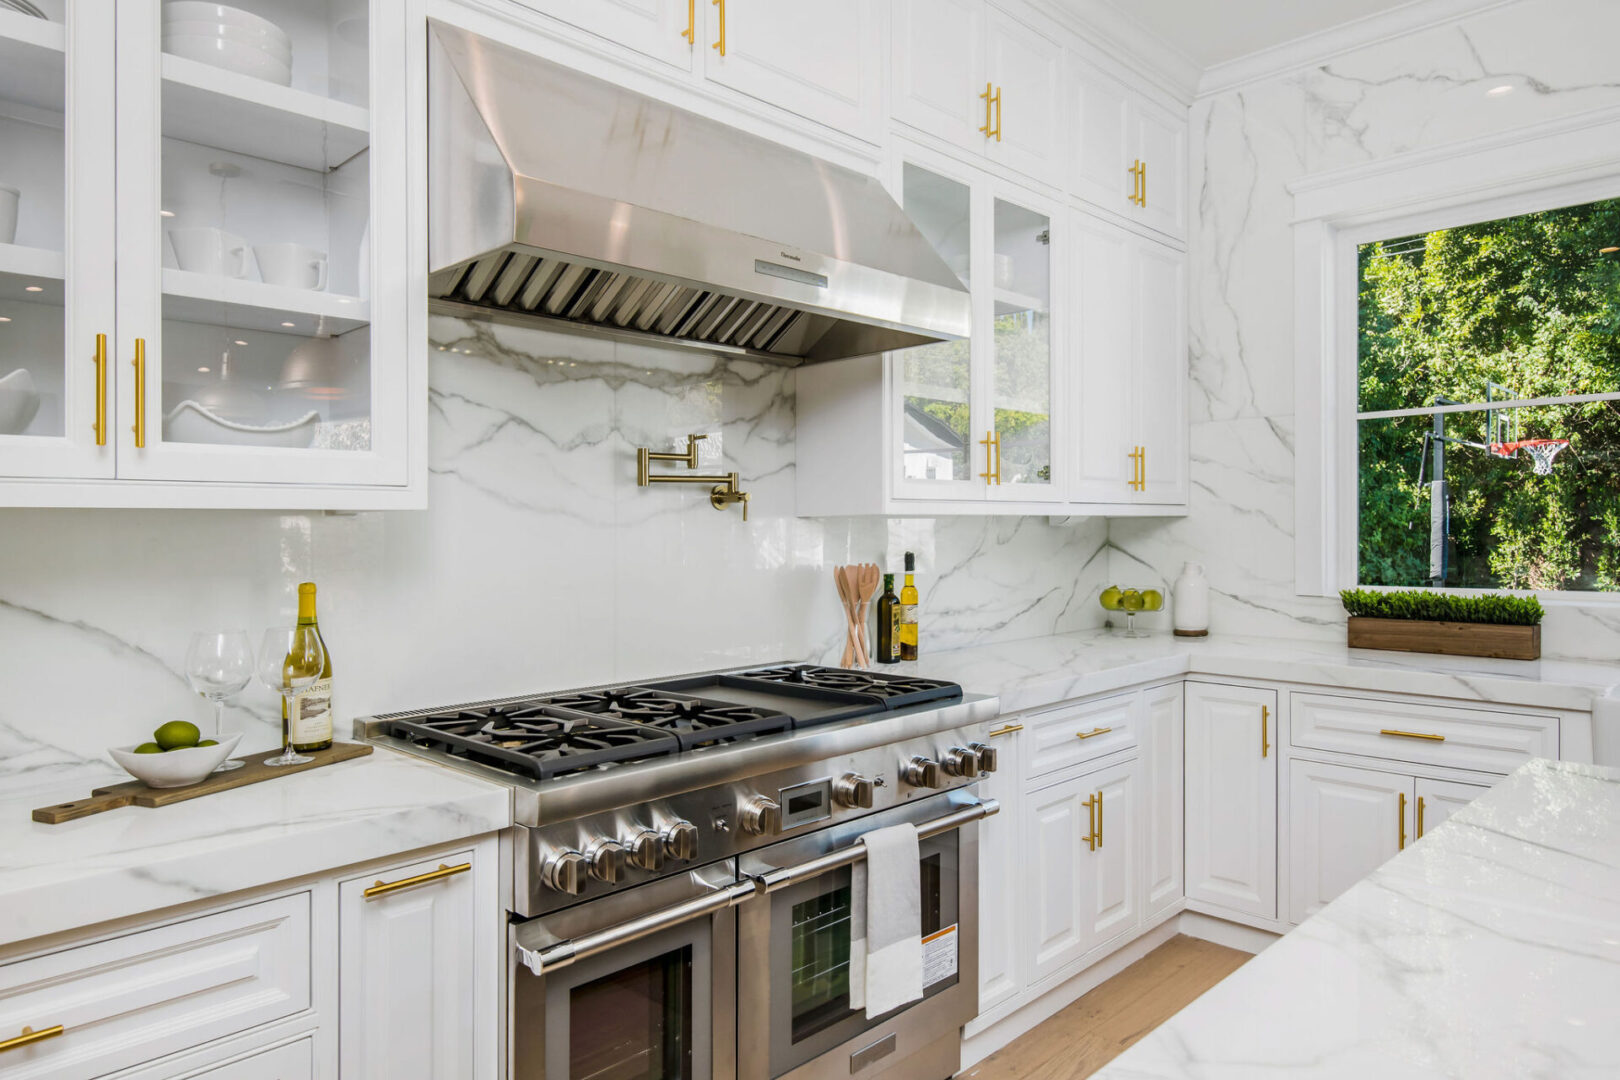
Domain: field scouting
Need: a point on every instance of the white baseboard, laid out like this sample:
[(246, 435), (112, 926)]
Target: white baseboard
[(1250, 939)]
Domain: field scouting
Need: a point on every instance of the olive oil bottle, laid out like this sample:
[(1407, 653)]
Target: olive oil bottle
[(888, 623), (908, 611)]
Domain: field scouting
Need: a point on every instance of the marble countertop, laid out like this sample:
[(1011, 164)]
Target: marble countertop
[(1046, 670), (1490, 948), (134, 860)]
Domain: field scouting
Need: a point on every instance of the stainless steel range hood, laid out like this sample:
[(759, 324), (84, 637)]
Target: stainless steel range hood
[(557, 196)]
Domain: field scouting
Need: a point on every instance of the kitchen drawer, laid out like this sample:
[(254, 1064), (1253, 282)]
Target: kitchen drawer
[(1458, 738), (154, 992), (1072, 734), (294, 1061)]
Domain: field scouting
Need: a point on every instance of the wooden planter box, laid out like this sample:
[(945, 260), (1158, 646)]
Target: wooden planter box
[(1451, 638)]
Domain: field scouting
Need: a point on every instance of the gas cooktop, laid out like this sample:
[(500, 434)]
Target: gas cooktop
[(565, 734)]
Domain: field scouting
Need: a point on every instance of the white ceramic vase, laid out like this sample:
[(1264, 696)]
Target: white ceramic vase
[(1190, 614)]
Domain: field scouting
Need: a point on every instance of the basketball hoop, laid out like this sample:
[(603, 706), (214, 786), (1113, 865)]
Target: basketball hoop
[(1541, 451)]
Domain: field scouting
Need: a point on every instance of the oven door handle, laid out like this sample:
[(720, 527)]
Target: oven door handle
[(551, 955), (773, 880)]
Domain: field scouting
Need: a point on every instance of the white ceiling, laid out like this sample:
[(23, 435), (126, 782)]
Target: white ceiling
[(1210, 32)]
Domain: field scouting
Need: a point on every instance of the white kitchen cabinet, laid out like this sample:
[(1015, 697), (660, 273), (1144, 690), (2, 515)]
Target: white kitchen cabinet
[(1026, 67), (938, 68), (1437, 800), (821, 61), (205, 365), (410, 997), (294, 1061), (667, 31), (1001, 872), (1161, 815), (1058, 874), (1129, 372), (1112, 905), (1344, 823), (1077, 732), (1231, 797), (1129, 155)]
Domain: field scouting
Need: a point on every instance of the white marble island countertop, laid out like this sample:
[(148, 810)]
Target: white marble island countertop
[(1490, 948), (135, 860)]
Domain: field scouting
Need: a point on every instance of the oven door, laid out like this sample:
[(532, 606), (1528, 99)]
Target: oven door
[(638, 985), (794, 1018)]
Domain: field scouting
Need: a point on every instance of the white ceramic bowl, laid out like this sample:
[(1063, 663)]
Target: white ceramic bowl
[(199, 11), (253, 39), (230, 55), (19, 401), (194, 423), (174, 768)]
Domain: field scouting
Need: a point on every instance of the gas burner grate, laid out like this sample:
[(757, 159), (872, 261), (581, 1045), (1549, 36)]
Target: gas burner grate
[(694, 721), (537, 739), (895, 691)]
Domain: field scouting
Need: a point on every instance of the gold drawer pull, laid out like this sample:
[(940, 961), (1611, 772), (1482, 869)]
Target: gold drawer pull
[(1401, 814), (1265, 737), (1005, 729), (382, 888), (29, 1036), (1093, 733), (1420, 818), (1412, 735), (1092, 837)]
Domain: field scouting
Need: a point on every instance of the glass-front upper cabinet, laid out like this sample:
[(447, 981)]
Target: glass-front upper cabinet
[(974, 417), (56, 236), (257, 347)]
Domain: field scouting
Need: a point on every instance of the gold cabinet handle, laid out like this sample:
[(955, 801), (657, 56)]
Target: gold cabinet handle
[(1143, 203), (1419, 835), (1265, 740), (1138, 469), (1099, 819), (101, 389), (985, 129), (1092, 838), (1005, 729), (997, 100), (1093, 733), (139, 363), (383, 888), (1138, 174), (720, 43), (992, 458), (690, 33), (1402, 816), (29, 1036), (1412, 735), (995, 444)]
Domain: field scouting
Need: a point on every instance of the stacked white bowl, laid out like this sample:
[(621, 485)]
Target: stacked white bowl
[(229, 38)]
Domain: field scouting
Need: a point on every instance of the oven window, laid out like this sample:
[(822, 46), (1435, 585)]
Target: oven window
[(819, 982), (634, 1024)]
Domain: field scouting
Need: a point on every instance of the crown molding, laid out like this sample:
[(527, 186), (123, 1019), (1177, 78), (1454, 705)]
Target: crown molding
[(1314, 49), (1125, 41)]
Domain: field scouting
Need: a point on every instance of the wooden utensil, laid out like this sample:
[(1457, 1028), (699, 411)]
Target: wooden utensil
[(866, 588), (845, 592), (137, 793)]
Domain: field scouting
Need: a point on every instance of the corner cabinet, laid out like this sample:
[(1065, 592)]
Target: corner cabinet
[(208, 299)]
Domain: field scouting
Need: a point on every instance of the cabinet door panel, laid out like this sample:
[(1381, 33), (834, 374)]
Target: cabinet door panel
[(654, 28), (1161, 141), (1231, 797), (1026, 67), (1161, 816), (821, 61), (1001, 881), (939, 69), (1344, 823), (1058, 875), (1114, 897), (1022, 369), (407, 988), (1103, 375), (294, 1061), (1438, 800), (1101, 157), (1159, 396)]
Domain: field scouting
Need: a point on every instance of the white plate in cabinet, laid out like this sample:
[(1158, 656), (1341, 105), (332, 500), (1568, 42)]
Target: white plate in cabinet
[(1231, 797), (665, 30), (1458, 738), (154, 992), (1072, 734), (1344, 823)]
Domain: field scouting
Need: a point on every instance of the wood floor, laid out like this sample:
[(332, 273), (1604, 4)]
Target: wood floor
[(1097, 1028)]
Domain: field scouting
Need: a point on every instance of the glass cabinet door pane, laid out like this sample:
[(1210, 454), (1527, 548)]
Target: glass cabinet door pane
[(936, 380), (1021, 375), (265, 238)]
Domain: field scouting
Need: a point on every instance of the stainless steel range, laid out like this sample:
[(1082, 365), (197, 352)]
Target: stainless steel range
[(682, 854)]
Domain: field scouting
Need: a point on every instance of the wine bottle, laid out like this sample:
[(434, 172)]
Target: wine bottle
[(888, 623), (307, 714), (908, 612)]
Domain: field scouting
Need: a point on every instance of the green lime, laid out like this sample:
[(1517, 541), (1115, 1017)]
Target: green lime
[(1110, 598), (148, 748), (1152, 600), (176, 735), (209, 742), (1131, 601)]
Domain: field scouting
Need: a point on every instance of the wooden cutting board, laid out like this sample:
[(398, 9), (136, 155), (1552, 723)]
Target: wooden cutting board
[(136, 793)]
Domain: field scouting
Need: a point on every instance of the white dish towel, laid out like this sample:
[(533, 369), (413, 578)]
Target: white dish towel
[(885, 923)]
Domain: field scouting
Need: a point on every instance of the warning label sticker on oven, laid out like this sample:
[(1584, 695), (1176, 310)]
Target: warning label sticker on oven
[(939, 955)]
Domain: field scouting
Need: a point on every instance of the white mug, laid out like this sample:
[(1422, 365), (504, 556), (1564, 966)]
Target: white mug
[(292, 265), (204, 249), (8, 214)]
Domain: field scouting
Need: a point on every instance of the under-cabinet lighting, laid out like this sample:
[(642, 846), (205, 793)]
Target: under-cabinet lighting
[(165, 213), (239, 342), (289, 324), (5, 318), (202, 371), (34, 288), (1498, 91)]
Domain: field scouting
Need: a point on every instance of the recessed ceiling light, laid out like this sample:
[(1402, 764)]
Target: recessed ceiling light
[(165, 213), (289, 324), (34, 288), (1498, 91), (5, 318), (202, 371), (239, 342)]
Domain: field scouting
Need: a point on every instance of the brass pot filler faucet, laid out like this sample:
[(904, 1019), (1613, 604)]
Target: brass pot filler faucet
[(726, 487)]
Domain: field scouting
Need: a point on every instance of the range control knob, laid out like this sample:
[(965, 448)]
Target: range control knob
[(986, 754), (921, 772), (681, 841), (606, 858), (854, 790), (565, 872), (761, 816), (960, 761), (646, 849)]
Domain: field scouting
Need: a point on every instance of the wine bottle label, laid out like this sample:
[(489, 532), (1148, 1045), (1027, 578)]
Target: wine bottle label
[(309, 714)]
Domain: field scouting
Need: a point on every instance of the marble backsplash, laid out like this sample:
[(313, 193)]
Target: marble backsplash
[(539, 564)]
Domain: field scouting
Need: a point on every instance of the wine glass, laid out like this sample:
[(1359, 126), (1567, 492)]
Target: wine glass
[(219, 665), (290, 658)]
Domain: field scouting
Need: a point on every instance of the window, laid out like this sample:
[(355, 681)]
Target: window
[(1487, 426)]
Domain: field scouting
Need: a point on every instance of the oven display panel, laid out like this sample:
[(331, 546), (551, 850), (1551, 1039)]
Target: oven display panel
[(804, 803)]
